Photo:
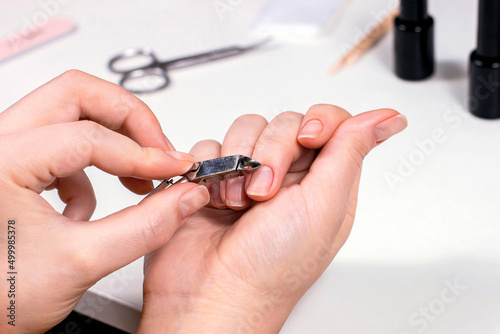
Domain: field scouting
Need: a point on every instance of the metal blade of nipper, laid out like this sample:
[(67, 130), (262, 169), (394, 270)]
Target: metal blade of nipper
[(214, 170)]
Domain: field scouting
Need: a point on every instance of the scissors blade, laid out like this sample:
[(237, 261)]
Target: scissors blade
[(257, 44), (213, 55)]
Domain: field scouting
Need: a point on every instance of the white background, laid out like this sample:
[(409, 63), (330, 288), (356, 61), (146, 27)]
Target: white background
[(437, 226)]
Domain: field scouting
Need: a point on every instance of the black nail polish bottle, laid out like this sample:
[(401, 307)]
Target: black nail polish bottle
[(484, 67), (414, 41)]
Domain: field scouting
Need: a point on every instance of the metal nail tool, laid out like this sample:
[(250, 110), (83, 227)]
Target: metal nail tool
[(214, 170), (143, 72)]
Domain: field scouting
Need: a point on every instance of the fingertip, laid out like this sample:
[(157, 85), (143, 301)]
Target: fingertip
[(311, 129), (375, 126), (215, 196), (382, 113), (187, 197), (168, 144), (172, 163), (365, 131), (181, 156), (260, 183), (77, 192), (206, 149), (326, 109), (193, 200), (319, 124), (390, 127), (234, 194)]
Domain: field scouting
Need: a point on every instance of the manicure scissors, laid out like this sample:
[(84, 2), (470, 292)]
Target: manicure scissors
[(143, 72), (214, 170)]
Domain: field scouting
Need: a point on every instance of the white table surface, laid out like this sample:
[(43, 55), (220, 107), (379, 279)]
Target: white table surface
[(424, 254)]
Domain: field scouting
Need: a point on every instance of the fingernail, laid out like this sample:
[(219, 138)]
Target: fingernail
[(180, 156), (235, 193), (193, 200), (390, 127), (311, 130), (168, 142), (215, 195), (261, 182)]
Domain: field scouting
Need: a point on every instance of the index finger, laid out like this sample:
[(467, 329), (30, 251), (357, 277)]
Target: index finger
[(75, 96), (40, 155)]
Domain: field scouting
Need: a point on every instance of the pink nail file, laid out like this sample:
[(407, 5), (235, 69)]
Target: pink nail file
[(33, 36)]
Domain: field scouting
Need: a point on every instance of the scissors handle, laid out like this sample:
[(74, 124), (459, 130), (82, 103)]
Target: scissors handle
[(132, 59), (142, 72), (145, 80), (140, 69)]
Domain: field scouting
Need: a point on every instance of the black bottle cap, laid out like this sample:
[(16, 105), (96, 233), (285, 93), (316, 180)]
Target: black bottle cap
[(484, 66), (488, 40), (413, 10), (414, 41)]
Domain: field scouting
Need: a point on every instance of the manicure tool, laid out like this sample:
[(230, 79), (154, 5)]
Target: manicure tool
[(214, 170), (365, 44), (32, 36), (143, 72)]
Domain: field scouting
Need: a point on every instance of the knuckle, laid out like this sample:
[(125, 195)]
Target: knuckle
[(79, 147), (277, 137), (126, 101), (290, 115), (149, 155), (271, 141), (250, 118), (328, 109), (155, 228), (88, 125), (357, 149), (88, 135), (323, 105), (90, 131), (125, 106), (286, 120), (240, 147), (72, 76), (209, 143), (68, 84)]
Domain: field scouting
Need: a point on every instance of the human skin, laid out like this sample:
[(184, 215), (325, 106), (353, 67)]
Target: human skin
[(241, 264), (46, 141)]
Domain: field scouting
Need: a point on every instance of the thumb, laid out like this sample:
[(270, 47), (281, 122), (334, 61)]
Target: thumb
[(334, 172), (117, 240)]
